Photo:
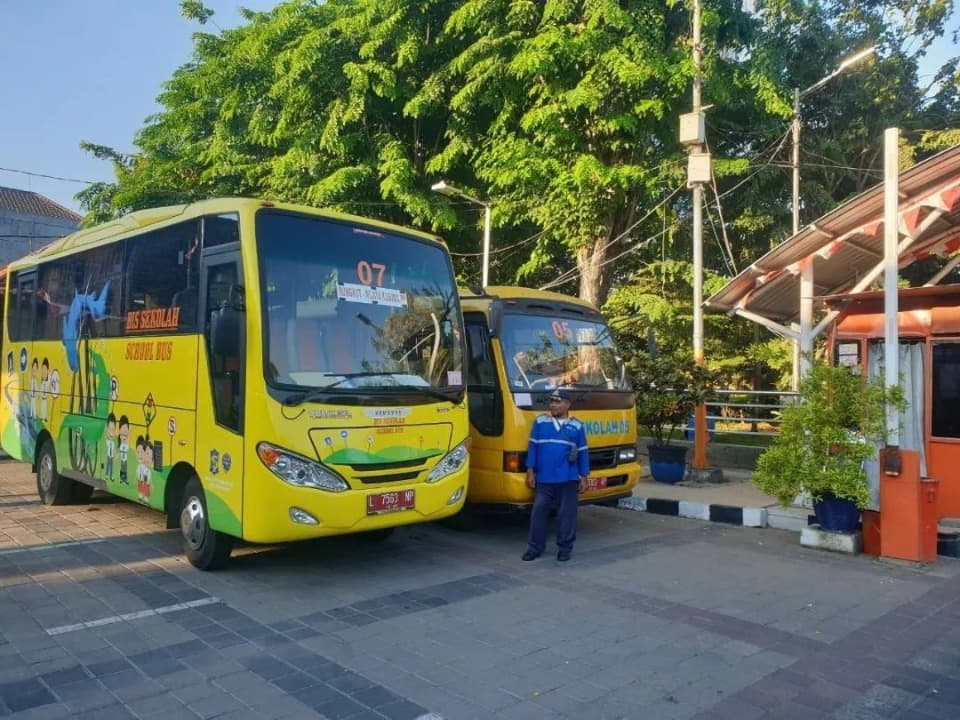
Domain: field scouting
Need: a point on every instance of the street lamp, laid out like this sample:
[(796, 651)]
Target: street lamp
[(797, 94), (803, 347), (445, 188)]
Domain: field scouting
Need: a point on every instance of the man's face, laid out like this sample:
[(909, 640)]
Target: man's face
[(124, 433), (558, 408)]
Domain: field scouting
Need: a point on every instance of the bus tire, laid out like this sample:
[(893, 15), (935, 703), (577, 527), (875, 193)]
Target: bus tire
[(53, 488), (80, 494), (205, 548)]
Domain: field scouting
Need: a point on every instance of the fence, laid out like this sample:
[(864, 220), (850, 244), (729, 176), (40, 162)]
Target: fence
[(746, 413)]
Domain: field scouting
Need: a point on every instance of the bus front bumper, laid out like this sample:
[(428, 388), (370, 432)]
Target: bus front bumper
[(617, 482), (284, 513)]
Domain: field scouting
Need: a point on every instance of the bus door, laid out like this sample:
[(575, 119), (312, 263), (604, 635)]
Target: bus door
[(486, 408), (220, 410)]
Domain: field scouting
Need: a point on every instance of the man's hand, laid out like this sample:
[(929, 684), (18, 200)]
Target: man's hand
[(531, 480), (583, 484)]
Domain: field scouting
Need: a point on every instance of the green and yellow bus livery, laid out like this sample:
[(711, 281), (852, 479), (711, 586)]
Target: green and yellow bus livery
[(254, 370)]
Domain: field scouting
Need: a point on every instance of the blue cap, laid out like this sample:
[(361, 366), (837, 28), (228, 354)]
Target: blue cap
[(560, 394)]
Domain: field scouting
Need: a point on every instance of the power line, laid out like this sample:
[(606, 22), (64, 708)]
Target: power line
[(48, 177), (575, 270), (498, 251), (4, 236)]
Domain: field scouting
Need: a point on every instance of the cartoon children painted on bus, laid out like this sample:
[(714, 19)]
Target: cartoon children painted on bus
[(44, 388), (111, 444), (123, 432), (144, 466), (34, 387), (147, 469)]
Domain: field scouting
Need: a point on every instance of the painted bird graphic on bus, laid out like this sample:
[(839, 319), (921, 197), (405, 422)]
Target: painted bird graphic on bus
[(84, 306)]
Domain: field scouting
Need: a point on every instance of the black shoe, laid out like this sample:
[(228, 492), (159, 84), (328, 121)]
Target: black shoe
[(563, 555), (530, 555)]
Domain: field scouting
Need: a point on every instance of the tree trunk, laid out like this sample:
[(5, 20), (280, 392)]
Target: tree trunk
[(595, 276)]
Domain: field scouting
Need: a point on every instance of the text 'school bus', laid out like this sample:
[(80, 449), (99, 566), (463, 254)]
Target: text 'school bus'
[(254, 370), (522, 344)]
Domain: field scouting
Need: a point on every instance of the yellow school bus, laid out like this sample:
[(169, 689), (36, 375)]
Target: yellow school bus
[(521, 345), (254, 370)]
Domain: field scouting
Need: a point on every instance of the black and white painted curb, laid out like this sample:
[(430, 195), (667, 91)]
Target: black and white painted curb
[(729, 514), (948, 545)]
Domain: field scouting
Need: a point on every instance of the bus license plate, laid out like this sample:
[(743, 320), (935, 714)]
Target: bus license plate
[(594, 483), (390, 502)]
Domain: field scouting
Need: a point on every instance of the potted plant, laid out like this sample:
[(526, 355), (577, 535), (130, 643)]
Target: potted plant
[(824, 439), (668, 389)]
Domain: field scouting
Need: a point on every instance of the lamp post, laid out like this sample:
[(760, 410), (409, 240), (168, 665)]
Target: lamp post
[(445, 188), (804, 346), (797, 94)]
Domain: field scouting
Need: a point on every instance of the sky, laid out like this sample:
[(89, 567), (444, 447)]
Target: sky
[(87, 70), (92, 69)]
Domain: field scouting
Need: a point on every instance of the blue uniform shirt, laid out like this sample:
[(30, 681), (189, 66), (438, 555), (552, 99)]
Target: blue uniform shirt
[(548, 452)]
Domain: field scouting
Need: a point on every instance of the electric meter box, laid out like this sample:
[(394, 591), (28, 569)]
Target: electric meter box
[(698, 169), (693, 129)]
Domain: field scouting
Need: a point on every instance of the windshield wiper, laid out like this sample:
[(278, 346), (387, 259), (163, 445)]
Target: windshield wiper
[(428, 391), (351, 376), (320, 393)]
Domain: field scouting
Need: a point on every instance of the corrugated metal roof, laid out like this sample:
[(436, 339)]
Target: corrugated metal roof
[(26, 202), (847, 242)]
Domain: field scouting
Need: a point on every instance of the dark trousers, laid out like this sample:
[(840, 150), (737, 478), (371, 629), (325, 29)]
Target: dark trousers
[(565, 497)]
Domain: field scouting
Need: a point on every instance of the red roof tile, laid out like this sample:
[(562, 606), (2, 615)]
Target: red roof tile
[(31, 203)]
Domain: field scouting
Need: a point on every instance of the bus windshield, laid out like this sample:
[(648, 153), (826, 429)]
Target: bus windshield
[(348, 307), (542, 352)]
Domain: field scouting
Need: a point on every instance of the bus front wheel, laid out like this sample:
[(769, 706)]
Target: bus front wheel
[(53, 488), (205, 548)]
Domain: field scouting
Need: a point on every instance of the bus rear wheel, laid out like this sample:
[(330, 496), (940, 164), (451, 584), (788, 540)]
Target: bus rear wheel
[(53, 488), (205, 548)]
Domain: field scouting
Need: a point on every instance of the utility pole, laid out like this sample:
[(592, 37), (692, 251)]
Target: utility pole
[(701, 162), (700, 414)]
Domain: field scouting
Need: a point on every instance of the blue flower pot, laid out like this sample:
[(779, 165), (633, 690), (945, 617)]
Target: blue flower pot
[(837, 514), (668, 463)]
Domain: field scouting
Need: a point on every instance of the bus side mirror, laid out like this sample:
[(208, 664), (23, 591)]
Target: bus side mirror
[(496, 317), (226, 324)]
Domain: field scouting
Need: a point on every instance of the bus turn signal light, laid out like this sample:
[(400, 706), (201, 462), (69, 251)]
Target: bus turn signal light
[(514, 462)]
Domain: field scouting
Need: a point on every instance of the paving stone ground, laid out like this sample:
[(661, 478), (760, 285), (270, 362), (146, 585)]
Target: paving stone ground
[(655, 617)]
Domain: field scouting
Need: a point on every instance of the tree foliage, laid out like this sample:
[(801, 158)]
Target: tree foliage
[(563, 113)]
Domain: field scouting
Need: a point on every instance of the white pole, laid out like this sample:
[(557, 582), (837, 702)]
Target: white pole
[(796, 160), (486, 244), (697, 206), (891, 307)]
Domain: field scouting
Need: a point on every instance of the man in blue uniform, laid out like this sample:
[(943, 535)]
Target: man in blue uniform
[(557, 465)]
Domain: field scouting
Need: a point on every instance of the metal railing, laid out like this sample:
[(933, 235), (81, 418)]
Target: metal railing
[(747, 412)]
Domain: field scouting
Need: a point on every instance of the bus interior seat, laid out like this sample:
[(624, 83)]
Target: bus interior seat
[(187, 301)]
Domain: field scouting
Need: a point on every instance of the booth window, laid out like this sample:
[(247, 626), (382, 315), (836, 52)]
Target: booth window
[(946, 390)]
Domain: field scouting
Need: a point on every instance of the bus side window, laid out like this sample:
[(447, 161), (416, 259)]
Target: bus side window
[(21, 306), (486, 402)]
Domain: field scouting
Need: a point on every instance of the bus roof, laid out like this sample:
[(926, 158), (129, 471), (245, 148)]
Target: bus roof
[(132, 222), (506, 292)]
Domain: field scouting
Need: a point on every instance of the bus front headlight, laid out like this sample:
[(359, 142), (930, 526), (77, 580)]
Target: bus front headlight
[(627, 454), (451, 462), (298, 470)]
